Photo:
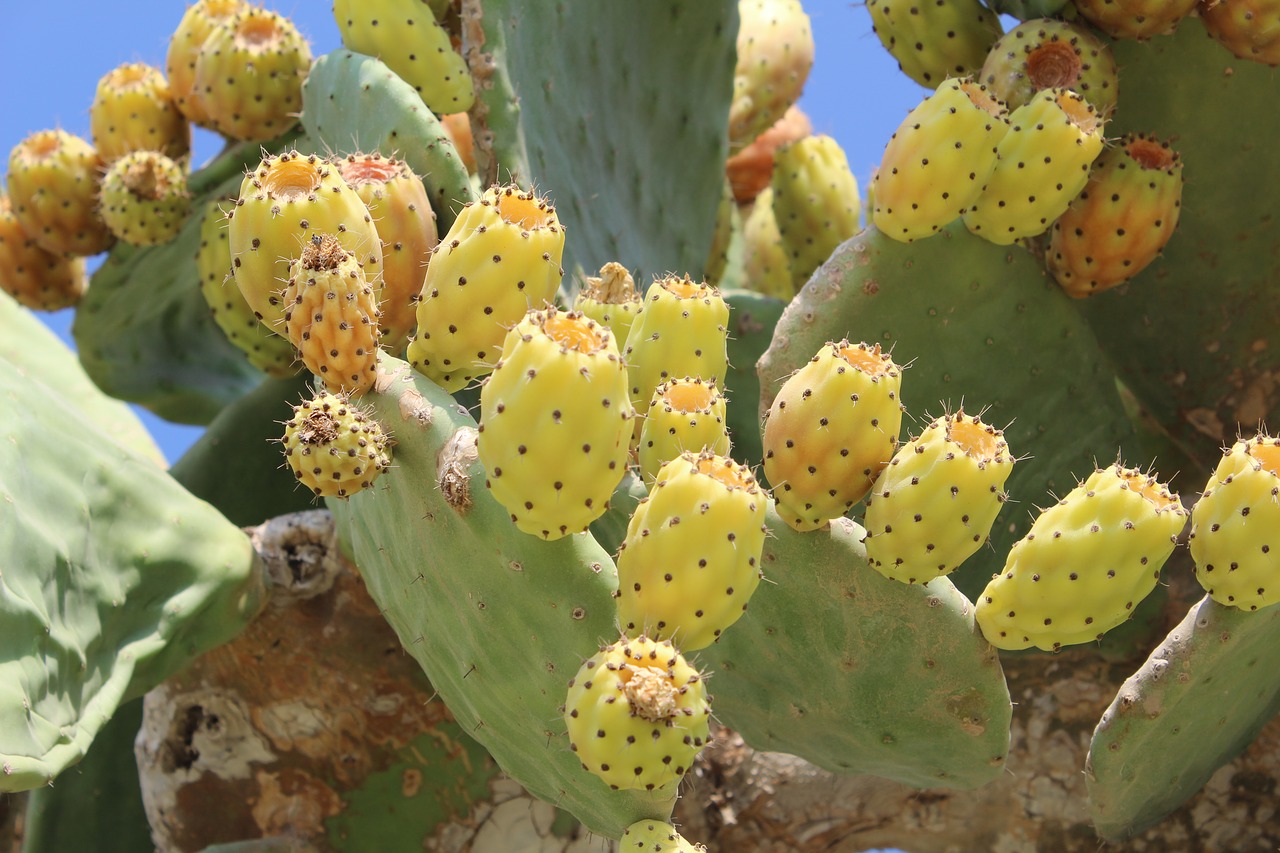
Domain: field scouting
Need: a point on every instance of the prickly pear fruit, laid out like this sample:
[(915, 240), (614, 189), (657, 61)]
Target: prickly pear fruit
[(1234, 523), (144, 198), (331, 316), (1043, 164), (637, 714), (766, 268), (938, 160), (610, 299), (1121, 220), (133, 110), (500, 258), (406, 36), (282, 203), (775, 55), (684, 414), (406, 224), (53, 185), (265, 350), (933, 507), (654, 836), (38, 279), (249, 75), (750, 171), (935, 39), (1248, 28), (333, 448), (1135, 19), (815, 200), (830, 432), (555, 423), (1084, 564), (458, 127), (691, 557), (200, 19), (1048, 54)]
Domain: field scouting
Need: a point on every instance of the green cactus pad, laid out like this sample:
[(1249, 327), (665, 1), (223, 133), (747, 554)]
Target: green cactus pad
[(499, 620), (914, 692), (1201, 698), (981, 325), (752, 318)]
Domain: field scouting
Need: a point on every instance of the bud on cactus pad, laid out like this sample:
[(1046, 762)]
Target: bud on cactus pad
[(935, 39), (1043, 163), (1084, 564), (53, 184), (684, 414), (283, 202), (39, 280), (934, 505), (1248, 28), (938, 160), (405, 35), (333, 448), (331, 316), (500, 258), (610, 299), (200, 19), (1135, 19), (1235, 526), (555, 423), (249, 74), (1121, 220), (1047, 54), (775, 55), (830, 432), (637, 714), (144, 198), (815, 200), (133, 110), (654, 836)]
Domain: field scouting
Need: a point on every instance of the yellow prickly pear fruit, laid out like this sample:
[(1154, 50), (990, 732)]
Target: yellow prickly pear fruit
[(331, 316), (766, 268), (133, 110), (53, 183), (934, 506), (555, 423), (1085, 563), (406, 224), (500, 259), (775, 55), (691, 557), (1235, 523), (200, 19), (655, 836), (283, 202), (637, 714), (610, 299), (144, 198), (40, 280), (830, 432), (334, 448), (815, 201), (938, 160), (684, 414)]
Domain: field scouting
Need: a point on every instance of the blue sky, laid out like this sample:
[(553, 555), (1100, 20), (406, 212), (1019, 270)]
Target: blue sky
[(55, 51)]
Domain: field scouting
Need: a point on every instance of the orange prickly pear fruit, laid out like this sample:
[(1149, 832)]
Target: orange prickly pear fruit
[(54, 178), (38, 279)]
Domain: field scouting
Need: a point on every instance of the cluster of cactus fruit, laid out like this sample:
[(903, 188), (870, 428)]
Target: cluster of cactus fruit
[(607, 401)]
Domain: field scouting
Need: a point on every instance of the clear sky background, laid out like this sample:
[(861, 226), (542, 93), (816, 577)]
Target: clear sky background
[(54, 52)]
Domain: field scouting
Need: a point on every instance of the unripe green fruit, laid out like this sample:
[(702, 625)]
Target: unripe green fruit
[(144, 198), (1044, 53), (935, 39), (654, 836)]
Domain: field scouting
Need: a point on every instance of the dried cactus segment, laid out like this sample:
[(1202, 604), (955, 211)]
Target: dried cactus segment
[(1044, 53), (685, 414), (133, 110), (637, 714), (53, 183), (655, 836), (815, 201), (1121, 220), (1250, 29), (406, 224), (1135, 19), (610, 298), (1233, 525), (334, 448), (198, 22), (691, 559), (938, 161), (1042, 164), (283, 202), (406, 36), (331, 316), (1085, 563), (933, 507), (750, 171), (249, 74), (144, 198), (500, 259), (831, 430), (555, 423), (935, 39), (775, 54), (38, 279)]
